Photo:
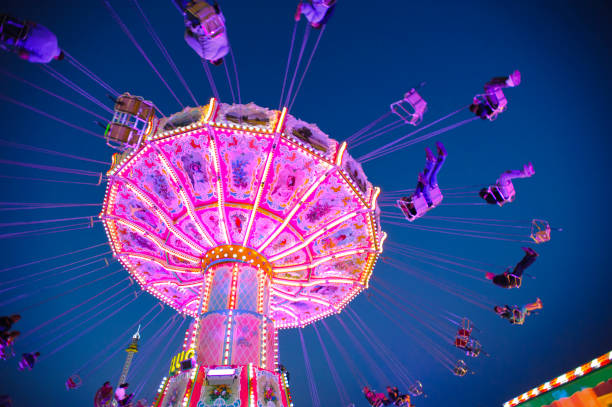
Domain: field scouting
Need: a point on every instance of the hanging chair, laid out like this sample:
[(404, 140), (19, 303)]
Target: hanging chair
[(411, 108), (540, 231), (73, 382)]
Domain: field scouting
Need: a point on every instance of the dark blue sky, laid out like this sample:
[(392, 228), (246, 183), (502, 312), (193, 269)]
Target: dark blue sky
[(370, 54)]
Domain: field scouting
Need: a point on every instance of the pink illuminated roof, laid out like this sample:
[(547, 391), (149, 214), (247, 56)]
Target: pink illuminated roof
[(248, 176)]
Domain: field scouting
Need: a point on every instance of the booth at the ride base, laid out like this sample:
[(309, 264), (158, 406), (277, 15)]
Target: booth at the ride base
[(589, 385)]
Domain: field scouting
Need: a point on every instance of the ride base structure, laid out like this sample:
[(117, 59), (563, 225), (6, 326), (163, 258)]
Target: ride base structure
[(248, 220)]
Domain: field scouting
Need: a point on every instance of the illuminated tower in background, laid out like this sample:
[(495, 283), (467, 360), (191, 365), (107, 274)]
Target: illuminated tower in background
[(131, 350)]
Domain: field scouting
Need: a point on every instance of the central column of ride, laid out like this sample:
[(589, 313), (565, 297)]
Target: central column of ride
[(234, 324)]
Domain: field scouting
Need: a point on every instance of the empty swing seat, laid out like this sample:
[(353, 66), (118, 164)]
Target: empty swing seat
[(131, 122), (411, 108)]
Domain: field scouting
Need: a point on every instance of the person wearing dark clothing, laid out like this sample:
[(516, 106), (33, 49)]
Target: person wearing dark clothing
[(28, 360), (393, 393), (121, 395), (6, 322), (5, 401), (491, 195), (30, 41), (7, 340), (513, 280), (516, 315), (487, 106), (428, 179), (480, 109), (503, 190)]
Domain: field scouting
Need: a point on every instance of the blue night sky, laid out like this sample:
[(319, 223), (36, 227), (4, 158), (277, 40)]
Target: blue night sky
[(370, 54)]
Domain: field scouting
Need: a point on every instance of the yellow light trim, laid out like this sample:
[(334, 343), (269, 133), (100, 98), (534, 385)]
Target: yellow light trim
[(375, 197), (340, 154), (212, 104), (281, 121)]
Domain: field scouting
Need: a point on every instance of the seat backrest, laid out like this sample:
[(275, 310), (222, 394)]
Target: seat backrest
[(502, 102), (201, 10), (416, 101), (404, 205), (541, 236), (128, 104), (119, 133), (213, 25), (507, 192), (435, 195)]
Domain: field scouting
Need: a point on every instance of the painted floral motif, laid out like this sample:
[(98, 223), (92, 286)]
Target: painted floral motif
[(323, 290), (340, 238), (238, 223), (268, 390), (221, 391), (176, 391), (348, 267), (282, 242), (134, 240), (318, 211), (286, 181), (262, 228), (270, 394), (195, 168), (240, 175)]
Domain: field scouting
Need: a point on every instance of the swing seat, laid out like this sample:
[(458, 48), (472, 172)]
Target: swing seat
[(411, 108), (131, 122), (23, 365), (463, 332), (500, 106), (459, 371), (474, 348), (517, 317), (496, 101), (210, 21), (413, 206), (13, 31), (436, 196), (135, 106), (506, 192), (416, 389), (213, 26), (6, 351), (73, 382), (121, 134), (515, 281), (460, 368), (461, 343), (540, 231)]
